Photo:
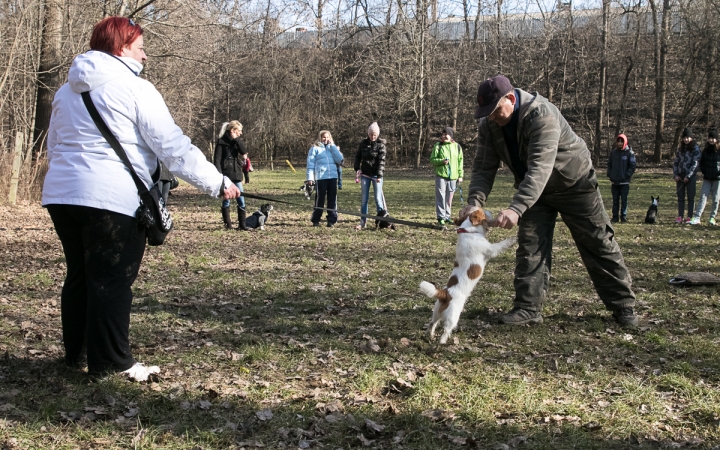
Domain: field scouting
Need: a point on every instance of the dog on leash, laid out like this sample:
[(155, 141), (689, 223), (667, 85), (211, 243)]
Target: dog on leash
[(382, 224), (472, 253), (259, 217), (307, 189), (652, 211)]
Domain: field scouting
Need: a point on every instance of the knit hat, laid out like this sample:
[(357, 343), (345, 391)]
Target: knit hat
[(489, 94), (449, 131), (374, 129), (713, 133), (687, 132)]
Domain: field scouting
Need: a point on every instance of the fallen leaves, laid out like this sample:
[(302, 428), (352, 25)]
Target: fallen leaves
[(438, 415), (264, 414)]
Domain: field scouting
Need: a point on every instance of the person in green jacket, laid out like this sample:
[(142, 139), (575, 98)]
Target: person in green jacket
[(447, 157)]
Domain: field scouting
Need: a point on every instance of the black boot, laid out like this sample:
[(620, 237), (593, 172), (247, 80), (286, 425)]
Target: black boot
[(242, 215), (226, 218)]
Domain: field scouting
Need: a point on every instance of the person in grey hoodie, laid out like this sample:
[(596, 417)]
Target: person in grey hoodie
[(620, 169), (554, 175)]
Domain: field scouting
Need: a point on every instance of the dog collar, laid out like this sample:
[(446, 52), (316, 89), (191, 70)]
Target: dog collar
[(464, 230)]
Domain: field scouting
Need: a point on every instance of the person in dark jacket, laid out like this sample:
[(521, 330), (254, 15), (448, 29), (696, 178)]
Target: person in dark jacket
[(230, 155), (685, 168), (620, 169), (370, 168), (554, 175), (710, 168)]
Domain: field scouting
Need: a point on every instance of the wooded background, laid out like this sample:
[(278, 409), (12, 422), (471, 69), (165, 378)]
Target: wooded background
[(288, 69)]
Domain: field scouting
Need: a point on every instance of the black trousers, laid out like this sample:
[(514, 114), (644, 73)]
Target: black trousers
[(103, 250), (689, 189), (581, 208), (326, 188)]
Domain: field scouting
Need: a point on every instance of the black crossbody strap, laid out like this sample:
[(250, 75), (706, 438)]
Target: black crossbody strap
[(112, 140)]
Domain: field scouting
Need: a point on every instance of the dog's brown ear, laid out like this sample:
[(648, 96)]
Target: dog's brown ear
[(478, 217), (458, 221)]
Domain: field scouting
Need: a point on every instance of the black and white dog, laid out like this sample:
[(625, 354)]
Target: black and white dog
[(382, 224), (259, 217), (652, 210), (307, 189)]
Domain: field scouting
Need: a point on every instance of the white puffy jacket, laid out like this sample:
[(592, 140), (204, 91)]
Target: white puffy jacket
[(84, 169)]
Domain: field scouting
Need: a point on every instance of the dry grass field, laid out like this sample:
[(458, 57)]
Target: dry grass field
[(314, 338)]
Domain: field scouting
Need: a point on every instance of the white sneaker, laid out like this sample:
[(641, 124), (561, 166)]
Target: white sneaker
[(139, 372)]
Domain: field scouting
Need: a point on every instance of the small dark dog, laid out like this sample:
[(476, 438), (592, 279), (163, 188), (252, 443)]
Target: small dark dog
[(651, 215), (307, 189), (259, 217), (382, 224)]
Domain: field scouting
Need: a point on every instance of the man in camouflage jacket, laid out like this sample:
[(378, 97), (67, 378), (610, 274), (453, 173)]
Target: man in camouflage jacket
[(554, 175)]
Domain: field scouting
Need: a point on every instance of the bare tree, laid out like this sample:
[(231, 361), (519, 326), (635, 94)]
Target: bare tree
[(48, 80)]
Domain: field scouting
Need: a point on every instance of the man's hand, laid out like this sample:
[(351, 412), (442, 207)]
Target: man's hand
[(507, 219), (459, 180), (310, 182), (446, 161), (686, 180), (231, 192), (677, 178)]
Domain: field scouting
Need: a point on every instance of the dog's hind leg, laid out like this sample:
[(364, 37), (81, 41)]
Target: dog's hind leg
[(452, 316), (435, 320)]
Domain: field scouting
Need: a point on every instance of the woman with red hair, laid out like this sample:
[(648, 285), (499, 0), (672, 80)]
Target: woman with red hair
[(91, 196)]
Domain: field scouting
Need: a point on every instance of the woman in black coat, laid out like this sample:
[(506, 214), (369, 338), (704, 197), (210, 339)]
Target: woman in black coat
[(230, 155), (370, 168)]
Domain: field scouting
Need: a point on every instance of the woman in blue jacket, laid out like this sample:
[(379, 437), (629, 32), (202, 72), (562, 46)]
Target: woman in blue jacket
[(323, 160)]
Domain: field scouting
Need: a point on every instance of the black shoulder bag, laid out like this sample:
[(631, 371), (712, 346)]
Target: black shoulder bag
[(151, 213)]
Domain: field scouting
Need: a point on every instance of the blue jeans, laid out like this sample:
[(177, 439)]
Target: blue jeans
[(619, 195), (365, 183), (710, 188), (240, 200)]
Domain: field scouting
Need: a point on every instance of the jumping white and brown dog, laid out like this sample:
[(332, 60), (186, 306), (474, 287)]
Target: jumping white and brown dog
[(473, 251)]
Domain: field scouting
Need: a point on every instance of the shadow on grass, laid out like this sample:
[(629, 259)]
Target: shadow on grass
[(48, 398)]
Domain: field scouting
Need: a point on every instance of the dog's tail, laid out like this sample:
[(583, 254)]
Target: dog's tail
[(430, 290)]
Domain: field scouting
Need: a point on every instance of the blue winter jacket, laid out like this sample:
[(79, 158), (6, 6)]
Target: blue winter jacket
[(621, 165), (322, 162)]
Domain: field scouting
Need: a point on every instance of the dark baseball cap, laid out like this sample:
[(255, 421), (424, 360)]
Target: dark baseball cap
[(489, 94)]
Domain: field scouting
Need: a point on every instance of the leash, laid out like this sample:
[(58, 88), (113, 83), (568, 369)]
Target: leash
[(349, 213)]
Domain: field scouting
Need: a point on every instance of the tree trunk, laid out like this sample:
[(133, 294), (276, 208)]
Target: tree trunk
[(661, 42), (422, 21), (710, 81), (498, 37), (48, 80), (603, 82), (320, 6)]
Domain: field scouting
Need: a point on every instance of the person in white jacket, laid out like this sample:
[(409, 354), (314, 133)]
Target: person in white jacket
[(92, 198)]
